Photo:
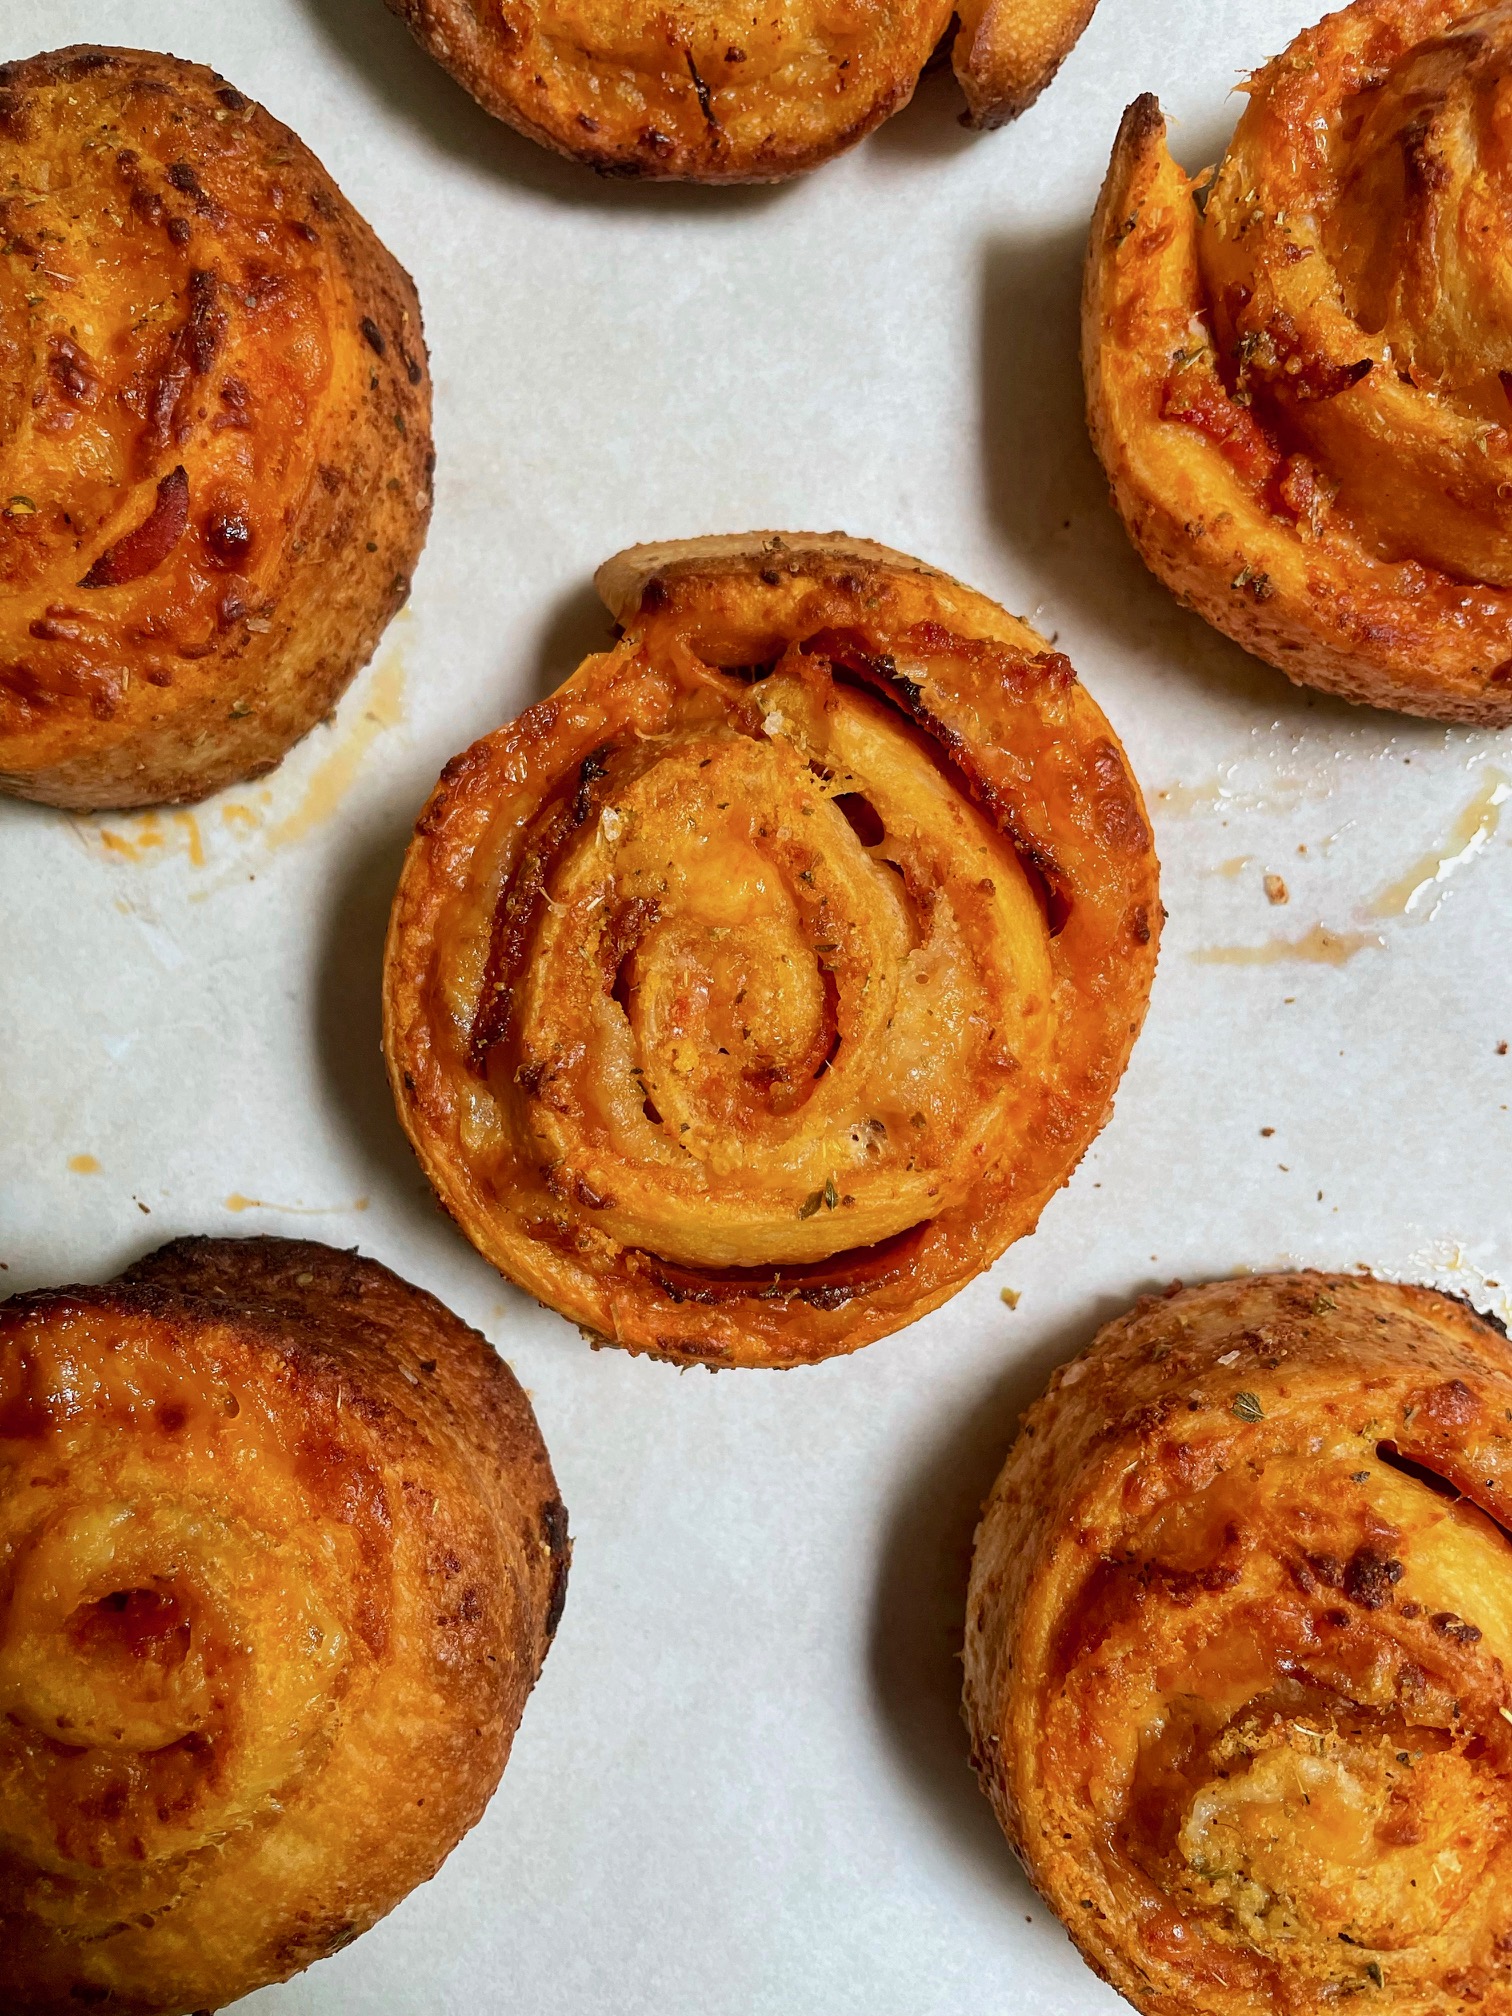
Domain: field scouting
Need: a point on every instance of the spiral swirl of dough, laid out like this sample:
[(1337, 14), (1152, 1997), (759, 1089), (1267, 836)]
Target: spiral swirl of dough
[(1238, 1647), (750, 994), (1303, 392)]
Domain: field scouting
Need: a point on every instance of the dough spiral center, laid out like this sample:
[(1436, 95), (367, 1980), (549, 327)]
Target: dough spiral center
[(785, 977), (173, 1646)]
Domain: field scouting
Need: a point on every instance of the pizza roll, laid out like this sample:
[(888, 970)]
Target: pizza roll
[(1238, 1646), (717, 94), (215, 459), (1299, 367), (748, 996), (280, 1557)]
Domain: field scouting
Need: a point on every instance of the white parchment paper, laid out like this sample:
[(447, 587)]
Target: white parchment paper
[(741, 1787)]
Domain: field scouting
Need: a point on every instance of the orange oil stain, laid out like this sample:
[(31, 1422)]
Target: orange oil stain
[(382, 706), (1470, 834), (188, 825), (84, 1165), (142, 837), (1316, 947), (237, 1202), (1181, 801), (146, 835)]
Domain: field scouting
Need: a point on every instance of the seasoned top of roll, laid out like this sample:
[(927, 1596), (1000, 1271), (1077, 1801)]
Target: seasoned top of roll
[(747, 996), (280, 1557), (1239, 1643), (214, 431)]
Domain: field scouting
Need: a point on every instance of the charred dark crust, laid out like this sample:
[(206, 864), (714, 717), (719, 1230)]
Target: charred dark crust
[(1142, 124), (705, 99), (559, 1545), (262, 1272), (1485, 1316)]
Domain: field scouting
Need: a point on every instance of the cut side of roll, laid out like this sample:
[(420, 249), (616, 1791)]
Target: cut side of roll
[(280, 1557), (1300, 392), (1238, 1649), (749, 995), (716, 94), (215, 459)]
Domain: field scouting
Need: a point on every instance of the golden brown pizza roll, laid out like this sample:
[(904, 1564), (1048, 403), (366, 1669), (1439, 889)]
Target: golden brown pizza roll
[(748, 996), (1238, 1650), (1299, 370), (280, 1557), (214, 433), (717, 94)]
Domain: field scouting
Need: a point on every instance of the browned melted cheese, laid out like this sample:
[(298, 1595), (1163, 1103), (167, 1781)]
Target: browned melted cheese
[(1238, 1645), (214, 432), (1300, 393), (751, 993), (280, 1555)]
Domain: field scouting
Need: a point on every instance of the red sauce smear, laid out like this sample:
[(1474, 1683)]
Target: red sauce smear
[(519, 908), (1195, 395), (139, 552), (878, 672), (822, 1284)]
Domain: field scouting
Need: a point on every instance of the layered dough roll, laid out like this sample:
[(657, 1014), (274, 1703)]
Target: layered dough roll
[(748, 996), (1238, 1650), (1302, 393), (280, 1558), (215, 455), (714, 93)]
